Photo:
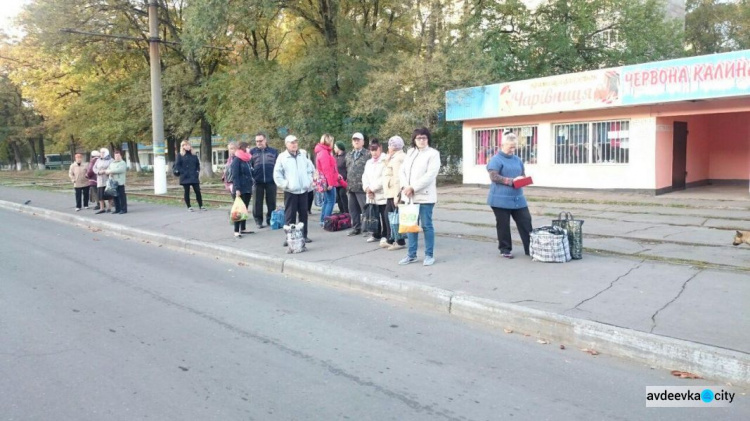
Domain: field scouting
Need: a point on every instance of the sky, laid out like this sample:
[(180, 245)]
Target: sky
[(8, 10)]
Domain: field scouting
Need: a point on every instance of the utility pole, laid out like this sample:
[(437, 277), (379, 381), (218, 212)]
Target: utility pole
[(157, 106)]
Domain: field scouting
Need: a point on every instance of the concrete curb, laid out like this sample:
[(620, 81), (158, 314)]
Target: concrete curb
[(654, 350)]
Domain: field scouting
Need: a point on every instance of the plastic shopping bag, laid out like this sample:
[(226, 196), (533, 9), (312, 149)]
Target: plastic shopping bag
[(408, 218), (238, 212)]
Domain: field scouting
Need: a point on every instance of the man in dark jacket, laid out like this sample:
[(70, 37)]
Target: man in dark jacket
[(355, 167), (263, 161)]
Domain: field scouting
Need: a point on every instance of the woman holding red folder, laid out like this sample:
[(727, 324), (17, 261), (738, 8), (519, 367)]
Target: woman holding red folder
[(507, 201)]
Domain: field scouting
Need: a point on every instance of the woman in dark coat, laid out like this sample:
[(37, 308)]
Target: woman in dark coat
[(187, 168), (339, 152), (242, 182)]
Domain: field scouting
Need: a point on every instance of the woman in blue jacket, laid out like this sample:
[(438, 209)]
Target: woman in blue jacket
[(507, 201)]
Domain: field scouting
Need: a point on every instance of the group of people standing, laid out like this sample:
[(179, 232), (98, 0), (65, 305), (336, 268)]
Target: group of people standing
[(380, 175), (90, 182)]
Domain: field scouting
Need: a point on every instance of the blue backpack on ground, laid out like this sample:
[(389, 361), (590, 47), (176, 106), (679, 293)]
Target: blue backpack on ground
[(277, 219)]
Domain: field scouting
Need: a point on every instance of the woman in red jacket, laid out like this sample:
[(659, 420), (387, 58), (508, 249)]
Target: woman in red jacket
[(325, 163)]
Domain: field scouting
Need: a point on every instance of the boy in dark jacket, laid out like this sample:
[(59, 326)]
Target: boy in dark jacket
[(262, 161)]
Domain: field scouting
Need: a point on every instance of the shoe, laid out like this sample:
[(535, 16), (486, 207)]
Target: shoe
[(203, 209), (395, 247), (406, 260), (101, 211), (285, 244), (371, 240), (307, 240), (190, 209), (237, 235), (507, 255), (116, 212), (259, 226), (352, 233), (85, 207), (96, 207), (123, 212), (78, 209), (384, 242), (428, 261), (109, 210), (247, 232)]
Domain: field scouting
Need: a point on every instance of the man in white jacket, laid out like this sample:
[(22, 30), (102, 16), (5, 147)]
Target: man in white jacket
[(293, 173), (418, 177)]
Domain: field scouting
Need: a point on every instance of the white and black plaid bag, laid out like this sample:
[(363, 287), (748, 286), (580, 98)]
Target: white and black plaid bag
[(550, 244)]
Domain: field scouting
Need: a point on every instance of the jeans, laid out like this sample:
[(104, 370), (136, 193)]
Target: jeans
[(328, 202), (425, 221), (82, 191), (197, 190), (267, 191), (295, 206), (523, 223)]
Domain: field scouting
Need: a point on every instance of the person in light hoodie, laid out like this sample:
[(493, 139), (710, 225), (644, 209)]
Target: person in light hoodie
[(293, 173), (372, 183), (100, 168), (418, 178)]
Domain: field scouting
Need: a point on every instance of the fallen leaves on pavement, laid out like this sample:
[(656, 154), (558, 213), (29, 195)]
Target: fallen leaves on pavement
[(542, 341), (508, 330), (685, 375), (590, 351)]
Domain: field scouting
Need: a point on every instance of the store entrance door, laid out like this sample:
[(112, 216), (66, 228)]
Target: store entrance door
[(679, 155)]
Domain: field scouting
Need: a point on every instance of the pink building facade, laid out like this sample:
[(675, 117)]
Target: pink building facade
[(653, 127)]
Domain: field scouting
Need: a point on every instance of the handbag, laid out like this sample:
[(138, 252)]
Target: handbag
[(111, 188), (393, 221), (371, 218), (277, 218), (549, 244), (408, 218), (574, 228), (337, 222)]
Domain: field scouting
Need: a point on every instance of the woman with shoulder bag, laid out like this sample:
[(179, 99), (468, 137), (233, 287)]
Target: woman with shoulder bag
[(242, 183), (418, 178)]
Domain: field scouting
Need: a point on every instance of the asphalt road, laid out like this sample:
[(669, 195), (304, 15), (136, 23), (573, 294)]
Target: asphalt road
[(94, 327)]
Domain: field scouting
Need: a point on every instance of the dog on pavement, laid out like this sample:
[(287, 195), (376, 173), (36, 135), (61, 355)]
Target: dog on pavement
[(741, 237), (295, 238)]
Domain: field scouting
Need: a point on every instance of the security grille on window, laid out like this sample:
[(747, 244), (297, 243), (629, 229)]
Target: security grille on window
[(487, 143), (600, 142), (571, 143)]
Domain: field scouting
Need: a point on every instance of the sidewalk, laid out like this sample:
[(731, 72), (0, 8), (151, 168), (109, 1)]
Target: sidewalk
[(625, 286)]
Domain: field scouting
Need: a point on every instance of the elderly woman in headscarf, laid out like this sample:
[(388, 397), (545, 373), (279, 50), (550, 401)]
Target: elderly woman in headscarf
[(100, 169), (392, 187)]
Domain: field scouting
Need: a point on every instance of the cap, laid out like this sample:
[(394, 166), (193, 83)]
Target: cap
[(95, 154), (289, 139), (358, 135)]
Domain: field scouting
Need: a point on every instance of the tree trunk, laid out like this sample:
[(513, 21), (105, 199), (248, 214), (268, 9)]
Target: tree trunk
[(171, 145), (206, 168), (34, 161), (135, 160), (42, 158), (73, 146), (17, 156)]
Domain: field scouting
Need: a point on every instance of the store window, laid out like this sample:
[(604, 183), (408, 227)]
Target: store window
[(220, 157), (487, 143), (596, 142)]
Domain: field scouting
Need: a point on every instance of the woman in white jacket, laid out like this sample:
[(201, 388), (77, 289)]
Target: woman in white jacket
[(372, 184), (418, 177)]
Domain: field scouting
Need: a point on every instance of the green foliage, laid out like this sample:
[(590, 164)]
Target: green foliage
[(309, 67)]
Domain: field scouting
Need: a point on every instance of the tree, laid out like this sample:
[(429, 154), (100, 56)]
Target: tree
[(714, 26)]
